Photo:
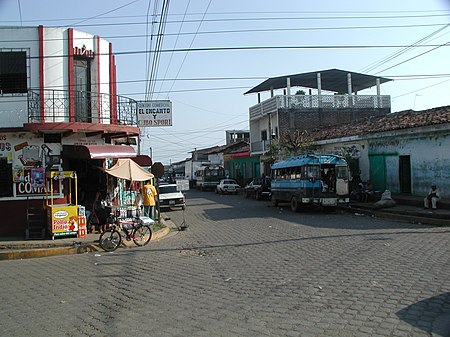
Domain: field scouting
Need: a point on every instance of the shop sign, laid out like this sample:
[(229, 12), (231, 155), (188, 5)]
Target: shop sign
[(83, 52), (64, 220), (29, 182), (154, 113)]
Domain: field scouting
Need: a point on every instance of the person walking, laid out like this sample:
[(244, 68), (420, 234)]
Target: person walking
[(149, 194), (432, 197)]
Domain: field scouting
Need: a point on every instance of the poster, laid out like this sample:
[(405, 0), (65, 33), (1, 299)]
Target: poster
[(38, 178)]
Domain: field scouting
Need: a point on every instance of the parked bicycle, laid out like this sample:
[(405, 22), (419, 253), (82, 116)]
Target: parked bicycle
[(132, 228)]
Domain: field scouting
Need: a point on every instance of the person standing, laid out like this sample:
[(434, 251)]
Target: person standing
[(149, 194), (432, 197)]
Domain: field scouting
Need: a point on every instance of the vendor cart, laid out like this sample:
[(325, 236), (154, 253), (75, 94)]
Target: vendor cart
[(61, 203)]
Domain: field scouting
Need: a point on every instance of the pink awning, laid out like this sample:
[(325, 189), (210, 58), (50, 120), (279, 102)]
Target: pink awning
[(98, 151)]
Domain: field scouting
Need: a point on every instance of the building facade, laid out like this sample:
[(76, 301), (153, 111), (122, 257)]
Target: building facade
[(404, 152), (59, 110), (335, 102)]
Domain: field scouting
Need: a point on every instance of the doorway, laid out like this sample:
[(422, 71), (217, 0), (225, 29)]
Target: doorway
[(405, 174), (378, 171), (82, 91)]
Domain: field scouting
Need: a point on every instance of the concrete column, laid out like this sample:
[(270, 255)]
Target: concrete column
[(288, 85), (319, 90), (319, 84), (349, 84), (271, 91), (379, 94)]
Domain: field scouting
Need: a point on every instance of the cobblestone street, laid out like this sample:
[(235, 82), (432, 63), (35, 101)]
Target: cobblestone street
[(242, 268)]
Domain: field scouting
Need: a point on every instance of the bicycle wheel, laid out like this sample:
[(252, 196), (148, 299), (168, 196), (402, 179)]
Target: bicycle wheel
[(142, 235), (110, 240)]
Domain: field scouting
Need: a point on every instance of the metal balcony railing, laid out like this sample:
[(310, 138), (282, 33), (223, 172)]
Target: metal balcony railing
[(330, 102), (87, 107)]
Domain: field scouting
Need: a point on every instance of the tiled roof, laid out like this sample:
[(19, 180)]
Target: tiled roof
[(228, 148), (394, 121)]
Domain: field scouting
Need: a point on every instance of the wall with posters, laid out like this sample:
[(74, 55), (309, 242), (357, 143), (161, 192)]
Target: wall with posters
[(27, 157)]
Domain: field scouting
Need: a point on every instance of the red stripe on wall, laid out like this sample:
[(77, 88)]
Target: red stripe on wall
[(71, 75), (99, 81), (112, 85), (41, 73)]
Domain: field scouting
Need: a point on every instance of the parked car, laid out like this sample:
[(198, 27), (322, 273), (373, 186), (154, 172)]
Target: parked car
[(227, 186), (169, 196), (258, 188)]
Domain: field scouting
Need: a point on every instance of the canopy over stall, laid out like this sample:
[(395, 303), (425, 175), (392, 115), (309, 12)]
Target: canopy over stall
[(127, 169)]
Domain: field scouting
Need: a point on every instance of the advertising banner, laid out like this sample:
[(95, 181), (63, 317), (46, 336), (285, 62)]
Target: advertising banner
[(154, 113), (64, 220)]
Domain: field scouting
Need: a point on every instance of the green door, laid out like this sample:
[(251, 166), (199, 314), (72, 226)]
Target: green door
[(378, 171)]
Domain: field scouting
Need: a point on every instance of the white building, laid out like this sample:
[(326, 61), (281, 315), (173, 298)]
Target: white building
[(59, 110)]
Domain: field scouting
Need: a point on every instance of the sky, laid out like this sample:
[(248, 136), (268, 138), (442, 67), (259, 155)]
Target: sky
[(213, 51)]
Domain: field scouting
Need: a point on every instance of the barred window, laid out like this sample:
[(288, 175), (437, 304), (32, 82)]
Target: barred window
[(13, 72)]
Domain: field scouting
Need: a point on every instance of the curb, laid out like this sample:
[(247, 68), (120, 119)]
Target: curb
[(416, 219), (17, 254)]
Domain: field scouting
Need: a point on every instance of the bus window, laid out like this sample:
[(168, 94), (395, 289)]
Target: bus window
[(342, 172), (313, 171)]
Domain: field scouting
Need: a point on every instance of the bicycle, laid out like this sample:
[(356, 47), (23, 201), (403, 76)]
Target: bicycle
[(133, 229)]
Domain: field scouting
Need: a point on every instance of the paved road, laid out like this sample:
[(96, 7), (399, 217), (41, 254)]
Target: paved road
[(242, 268)]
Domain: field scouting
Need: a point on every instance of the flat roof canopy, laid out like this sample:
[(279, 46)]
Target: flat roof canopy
[(98, 151), (331, 80)]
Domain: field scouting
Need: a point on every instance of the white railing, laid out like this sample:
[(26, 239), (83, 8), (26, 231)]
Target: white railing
[(329, 102)]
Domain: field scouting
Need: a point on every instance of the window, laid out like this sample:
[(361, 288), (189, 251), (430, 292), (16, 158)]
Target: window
[(13, 72), (264, 135), (6, 181)]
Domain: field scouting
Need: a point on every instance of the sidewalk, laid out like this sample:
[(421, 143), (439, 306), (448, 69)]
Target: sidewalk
[(11, 248), (409, 209)]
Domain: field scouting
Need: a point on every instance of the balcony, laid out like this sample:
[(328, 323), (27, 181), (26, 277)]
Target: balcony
[(324, 102), (260, 146), (58, 106), (92, 113)]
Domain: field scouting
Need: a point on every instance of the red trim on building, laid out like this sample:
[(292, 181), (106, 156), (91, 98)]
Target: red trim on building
[(41, 72), (71, 75), (98, 55), (74, 127), (112, 106), (240, 154), (115, 88)]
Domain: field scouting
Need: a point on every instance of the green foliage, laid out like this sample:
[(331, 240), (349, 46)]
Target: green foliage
[(295, 142)]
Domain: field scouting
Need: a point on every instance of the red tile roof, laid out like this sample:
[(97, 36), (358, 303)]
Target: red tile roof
[(394, 121)]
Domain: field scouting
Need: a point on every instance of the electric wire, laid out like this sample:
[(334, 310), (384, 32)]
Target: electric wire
[(190, 46), (263, 30)]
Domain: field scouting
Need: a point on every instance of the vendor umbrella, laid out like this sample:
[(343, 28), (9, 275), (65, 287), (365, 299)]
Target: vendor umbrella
[(129, 170)]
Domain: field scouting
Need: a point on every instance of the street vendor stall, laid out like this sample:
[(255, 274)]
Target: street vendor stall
[(128, 172), (62, 217)]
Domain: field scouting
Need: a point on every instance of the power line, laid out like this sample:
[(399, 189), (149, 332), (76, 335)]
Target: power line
[(404, 50), (190, 46), (242, 13), (176, 42), (264, 30), (247, 48)]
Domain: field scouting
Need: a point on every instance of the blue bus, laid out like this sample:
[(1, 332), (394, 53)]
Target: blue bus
[(311, 179)]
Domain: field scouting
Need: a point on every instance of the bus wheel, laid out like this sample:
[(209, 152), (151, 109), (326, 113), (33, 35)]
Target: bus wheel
[(274, 201), (295, 207)]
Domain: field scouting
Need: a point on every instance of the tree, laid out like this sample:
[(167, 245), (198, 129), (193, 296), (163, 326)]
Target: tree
[(295, 142), (300, 92)]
